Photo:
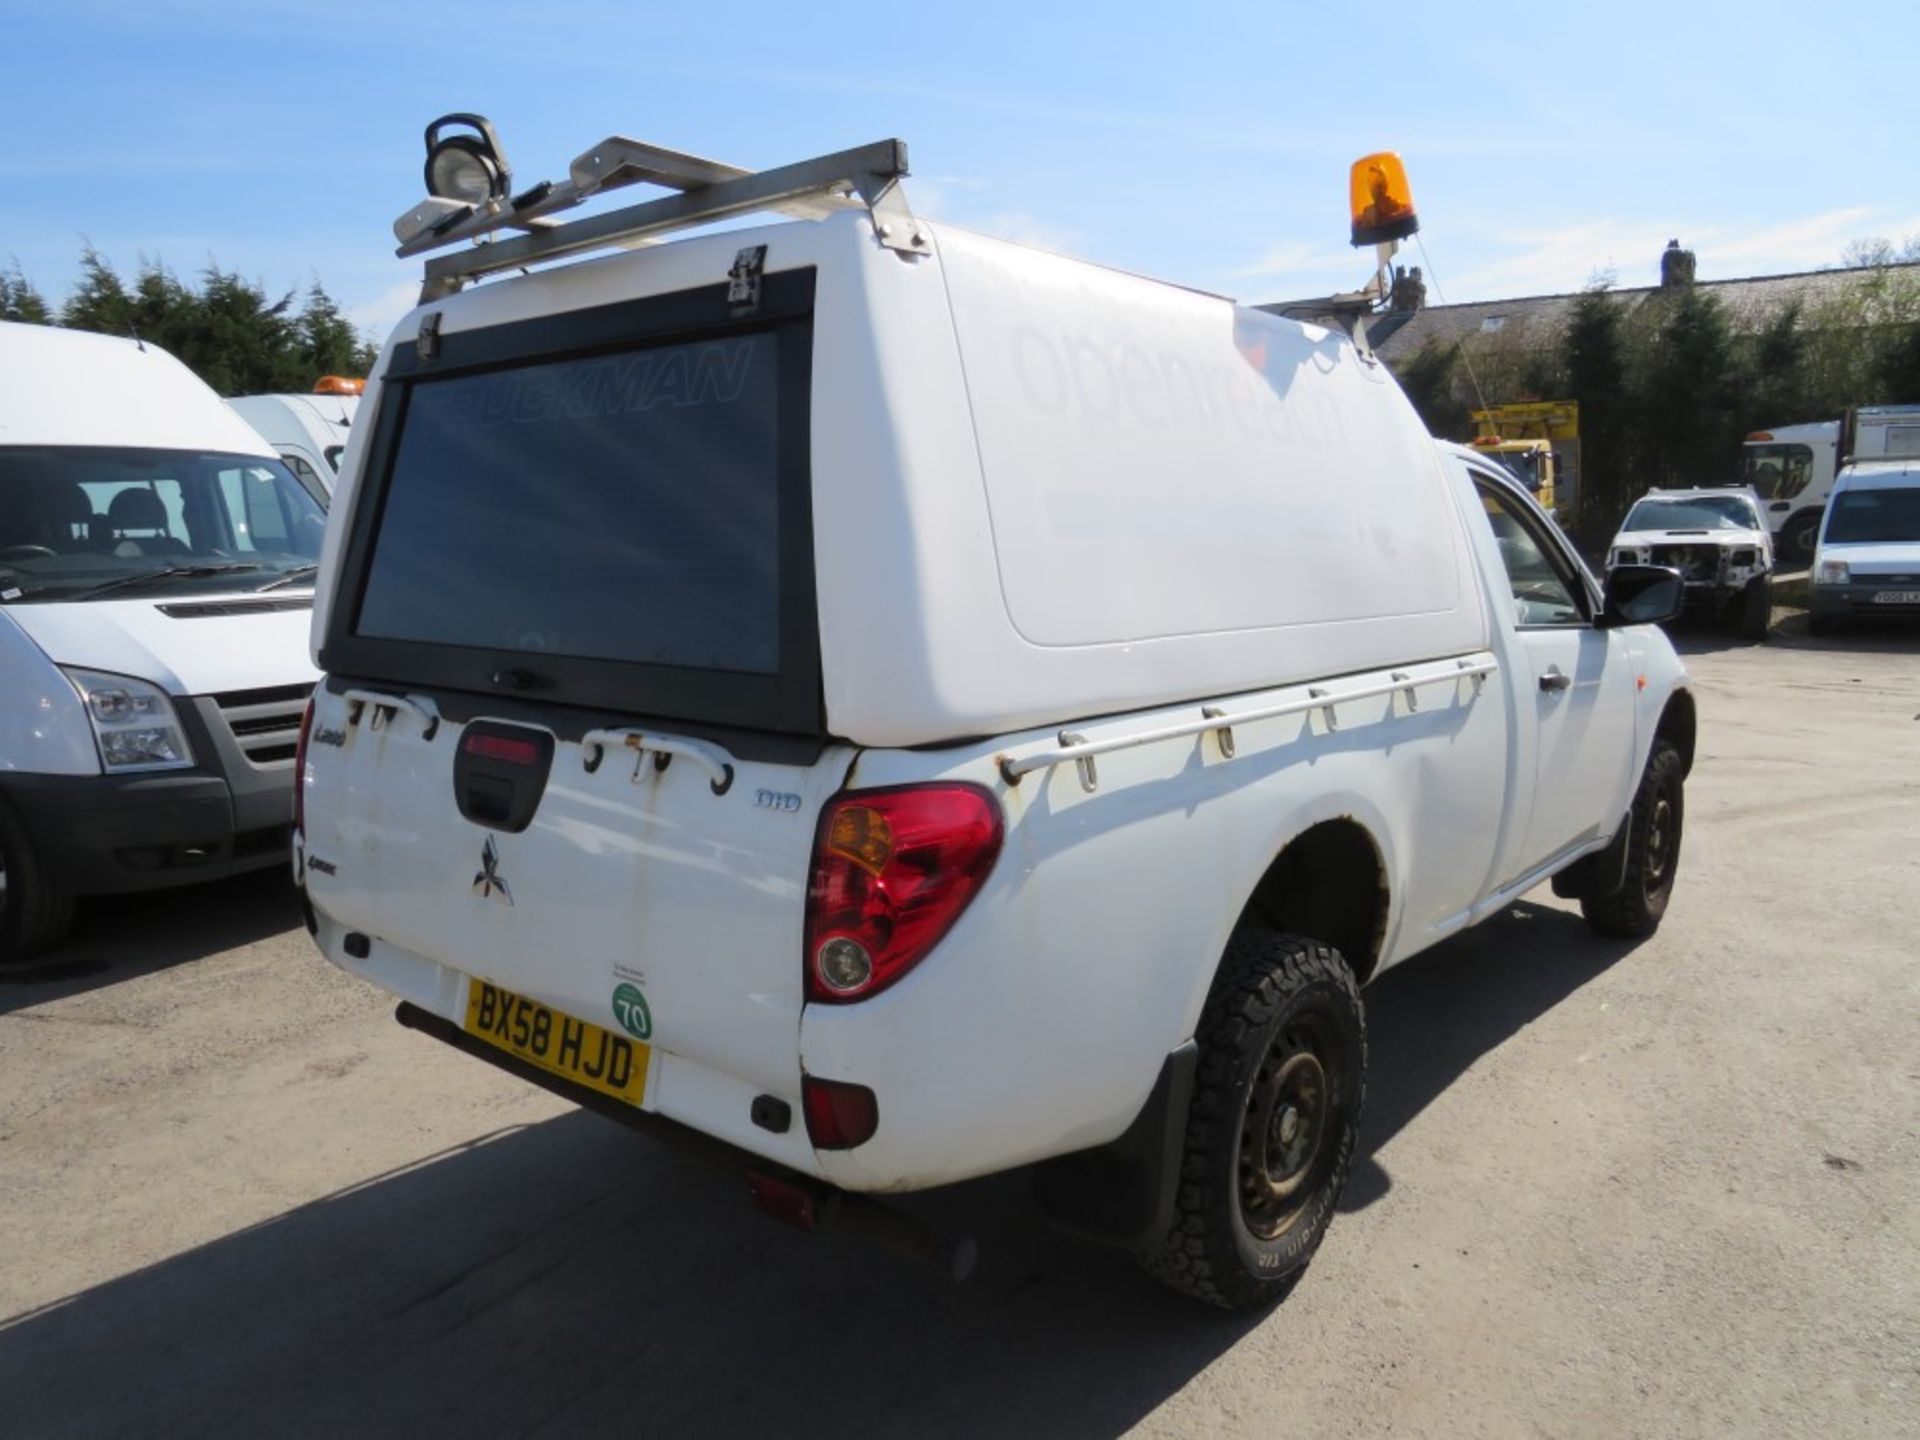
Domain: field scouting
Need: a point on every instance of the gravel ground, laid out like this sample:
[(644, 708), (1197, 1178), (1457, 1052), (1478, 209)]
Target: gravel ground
[(1604, 1190)]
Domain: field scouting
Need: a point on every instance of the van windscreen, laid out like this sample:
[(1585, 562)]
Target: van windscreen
[(617, 507)]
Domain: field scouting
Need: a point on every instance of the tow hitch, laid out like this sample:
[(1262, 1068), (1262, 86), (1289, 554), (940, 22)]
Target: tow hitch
[(798, 1200)]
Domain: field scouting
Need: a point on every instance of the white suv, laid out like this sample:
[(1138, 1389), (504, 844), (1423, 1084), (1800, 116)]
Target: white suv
[(1717, 539), (892, 706)]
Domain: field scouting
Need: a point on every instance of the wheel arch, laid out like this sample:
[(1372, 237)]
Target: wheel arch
[(1679, 726), (1330, 881)]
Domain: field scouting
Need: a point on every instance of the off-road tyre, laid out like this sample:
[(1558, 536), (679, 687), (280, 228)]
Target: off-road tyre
[(34, 912), (1654, 828), (1756, 609), (1274, 997)]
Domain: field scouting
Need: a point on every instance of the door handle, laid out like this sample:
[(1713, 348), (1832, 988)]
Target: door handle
[(1779, 505), (1555, 680)]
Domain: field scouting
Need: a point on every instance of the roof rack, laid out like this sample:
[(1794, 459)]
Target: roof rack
[(865, 177)]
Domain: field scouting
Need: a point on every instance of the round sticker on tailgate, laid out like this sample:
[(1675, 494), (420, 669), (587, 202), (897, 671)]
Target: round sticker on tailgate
[(631, 1008)]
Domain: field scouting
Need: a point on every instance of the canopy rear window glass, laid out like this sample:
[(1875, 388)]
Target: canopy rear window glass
[(618, 507)]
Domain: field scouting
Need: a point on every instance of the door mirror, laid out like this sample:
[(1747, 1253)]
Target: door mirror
[(1643, 595)]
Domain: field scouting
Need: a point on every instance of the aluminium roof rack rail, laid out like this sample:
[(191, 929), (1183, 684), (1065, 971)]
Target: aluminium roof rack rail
[(865, 177)]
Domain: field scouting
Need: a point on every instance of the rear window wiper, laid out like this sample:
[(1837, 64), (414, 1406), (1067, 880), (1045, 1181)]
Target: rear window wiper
[(291, 577), (169, 572)]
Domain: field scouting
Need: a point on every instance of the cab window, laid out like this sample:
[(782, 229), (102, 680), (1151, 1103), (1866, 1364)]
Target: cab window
[(1544, 588), (1778, 472)]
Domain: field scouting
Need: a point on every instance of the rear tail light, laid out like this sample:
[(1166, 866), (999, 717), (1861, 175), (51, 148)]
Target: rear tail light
[(840, 1115), (300, 770), (892, 871)]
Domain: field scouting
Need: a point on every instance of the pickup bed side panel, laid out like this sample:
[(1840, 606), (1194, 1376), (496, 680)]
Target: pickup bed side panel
[(1038, 1025)]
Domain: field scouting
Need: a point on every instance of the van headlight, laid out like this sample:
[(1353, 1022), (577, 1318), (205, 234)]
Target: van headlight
[(1831, 572), (134, 723)]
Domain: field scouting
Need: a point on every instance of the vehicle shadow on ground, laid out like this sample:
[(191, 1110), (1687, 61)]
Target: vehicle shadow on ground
[(1885, 637), (1430, 1019), (569, 1276), (118, 937)]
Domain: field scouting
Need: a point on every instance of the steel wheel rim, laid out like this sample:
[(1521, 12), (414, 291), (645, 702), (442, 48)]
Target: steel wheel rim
[(1288, 1127), (1659, 842)]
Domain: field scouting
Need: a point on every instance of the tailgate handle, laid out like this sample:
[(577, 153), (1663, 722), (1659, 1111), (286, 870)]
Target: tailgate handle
[(500, 772)]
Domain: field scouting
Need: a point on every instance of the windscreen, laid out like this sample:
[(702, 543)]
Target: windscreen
[(620, 507), (84, 522), (1708, 512), (1864, 517)]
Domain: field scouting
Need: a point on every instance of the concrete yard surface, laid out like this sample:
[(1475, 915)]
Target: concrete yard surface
[(1604, 1190)]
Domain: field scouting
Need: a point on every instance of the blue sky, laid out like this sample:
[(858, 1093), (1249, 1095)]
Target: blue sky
[(1207, 144)]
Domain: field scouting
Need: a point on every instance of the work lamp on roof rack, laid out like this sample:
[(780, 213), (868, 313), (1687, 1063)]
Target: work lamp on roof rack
[(466, 164)]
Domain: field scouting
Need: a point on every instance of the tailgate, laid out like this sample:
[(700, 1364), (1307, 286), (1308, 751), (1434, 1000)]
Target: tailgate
[(630, 876)]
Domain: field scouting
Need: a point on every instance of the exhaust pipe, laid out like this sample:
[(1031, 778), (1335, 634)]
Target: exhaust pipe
[(785, 1195)]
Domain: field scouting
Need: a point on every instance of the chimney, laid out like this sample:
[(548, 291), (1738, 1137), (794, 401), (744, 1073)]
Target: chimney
[(1676, 266), (1409, 291)]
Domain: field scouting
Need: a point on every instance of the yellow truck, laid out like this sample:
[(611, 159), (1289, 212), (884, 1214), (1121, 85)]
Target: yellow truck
[(1539, 441)]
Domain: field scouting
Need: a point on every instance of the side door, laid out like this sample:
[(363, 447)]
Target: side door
[(1580, 693)]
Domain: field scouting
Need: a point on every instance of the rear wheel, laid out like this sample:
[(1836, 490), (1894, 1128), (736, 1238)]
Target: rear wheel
[(1756, 608), (1270, 1134), (34, 912), (1653, 851)]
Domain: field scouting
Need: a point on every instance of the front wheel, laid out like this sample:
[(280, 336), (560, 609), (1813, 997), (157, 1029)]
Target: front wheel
[(1799, 537), (34, 912), (1653, 851), (1275, 1114), (1756, 608)]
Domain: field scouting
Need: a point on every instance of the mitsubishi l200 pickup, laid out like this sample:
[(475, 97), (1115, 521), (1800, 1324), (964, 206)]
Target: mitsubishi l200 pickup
[(884, 705)]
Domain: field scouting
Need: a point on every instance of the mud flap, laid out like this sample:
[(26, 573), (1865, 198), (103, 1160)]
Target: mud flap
[(1122, 1192), (1599, 874)]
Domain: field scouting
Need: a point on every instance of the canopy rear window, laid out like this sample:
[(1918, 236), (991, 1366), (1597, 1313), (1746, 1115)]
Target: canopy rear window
[(615, 526)]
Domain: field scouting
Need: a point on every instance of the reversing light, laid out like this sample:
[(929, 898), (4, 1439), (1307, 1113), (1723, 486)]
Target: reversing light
[(1381, 199), (467, 164)]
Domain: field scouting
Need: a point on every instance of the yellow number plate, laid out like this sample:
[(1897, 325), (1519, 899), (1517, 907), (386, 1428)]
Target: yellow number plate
[(573, 1049)]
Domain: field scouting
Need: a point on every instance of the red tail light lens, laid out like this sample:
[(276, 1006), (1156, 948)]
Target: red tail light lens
[(892, 871), (300, 769), (840, 1115)]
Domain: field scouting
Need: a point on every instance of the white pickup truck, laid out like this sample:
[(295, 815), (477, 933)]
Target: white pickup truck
[(889, 706)]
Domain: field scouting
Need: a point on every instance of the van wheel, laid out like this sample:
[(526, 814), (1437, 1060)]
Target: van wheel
[(1270, 1134), (33, 911), (1653, 852), (1756, 608)]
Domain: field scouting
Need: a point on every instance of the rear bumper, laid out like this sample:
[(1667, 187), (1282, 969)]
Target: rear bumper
[(115, 834)]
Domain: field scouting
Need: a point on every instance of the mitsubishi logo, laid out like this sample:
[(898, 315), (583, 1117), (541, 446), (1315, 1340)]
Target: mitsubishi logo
[(488, 881)]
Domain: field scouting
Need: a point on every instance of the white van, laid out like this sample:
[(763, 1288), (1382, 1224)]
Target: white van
[(1868, 563), (308, 432), (887, 705), (156, 565)]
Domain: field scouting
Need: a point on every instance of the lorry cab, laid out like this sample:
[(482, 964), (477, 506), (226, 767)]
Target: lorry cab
[(1793, 468), (156, 564), (308, 432)]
